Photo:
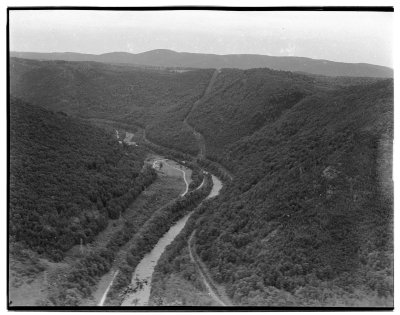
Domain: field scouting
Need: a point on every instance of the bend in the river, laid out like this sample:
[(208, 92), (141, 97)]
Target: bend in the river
[(141, 279)]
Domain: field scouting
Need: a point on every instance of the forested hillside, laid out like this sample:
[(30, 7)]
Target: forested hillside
[(308, 219), (67, 178), (242, 102), (155, 99)]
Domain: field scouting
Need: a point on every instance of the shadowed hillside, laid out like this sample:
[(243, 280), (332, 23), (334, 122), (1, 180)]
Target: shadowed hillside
[(67, 179), (157, 100), (242, 102), (307, 219)]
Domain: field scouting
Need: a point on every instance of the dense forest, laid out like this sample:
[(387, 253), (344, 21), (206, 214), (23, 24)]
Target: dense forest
[(305, 217), (242, 102), (308, 221), (155, 99), (67, 178)]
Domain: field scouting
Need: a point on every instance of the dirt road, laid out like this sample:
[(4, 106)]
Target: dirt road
[(204, 278)]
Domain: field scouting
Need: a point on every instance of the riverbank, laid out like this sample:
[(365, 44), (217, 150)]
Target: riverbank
[(142, 285), (176, 280), (164, 190), (144, 270), (148, 237)]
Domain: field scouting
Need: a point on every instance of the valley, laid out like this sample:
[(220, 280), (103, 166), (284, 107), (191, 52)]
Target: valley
[(207, 187), (169, 172)]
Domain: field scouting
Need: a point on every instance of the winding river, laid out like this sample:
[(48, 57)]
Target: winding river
[(141, 278)]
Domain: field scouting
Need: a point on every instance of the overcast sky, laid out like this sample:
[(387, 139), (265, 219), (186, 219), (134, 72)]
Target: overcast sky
[(338, 36)]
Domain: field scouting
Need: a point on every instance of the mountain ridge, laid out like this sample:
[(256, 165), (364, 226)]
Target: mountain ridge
[(307, 219), (170, 58)]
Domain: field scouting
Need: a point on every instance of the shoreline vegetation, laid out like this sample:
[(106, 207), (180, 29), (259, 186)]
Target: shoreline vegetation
[(149, 235), (120, 284), (78, 282), (304, 218)]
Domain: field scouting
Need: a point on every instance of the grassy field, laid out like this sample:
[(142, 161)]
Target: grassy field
[(31, 278)]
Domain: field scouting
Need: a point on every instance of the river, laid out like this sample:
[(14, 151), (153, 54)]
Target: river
[(145, 268)]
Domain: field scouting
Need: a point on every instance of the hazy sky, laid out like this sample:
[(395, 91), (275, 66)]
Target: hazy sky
[(338, 36)]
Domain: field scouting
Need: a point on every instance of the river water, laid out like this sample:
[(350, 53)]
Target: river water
[(145, 268)]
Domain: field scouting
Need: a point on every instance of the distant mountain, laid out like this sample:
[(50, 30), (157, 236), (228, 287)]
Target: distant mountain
[(169, 58)]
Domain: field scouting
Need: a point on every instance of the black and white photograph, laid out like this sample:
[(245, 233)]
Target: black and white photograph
[(200, 158)]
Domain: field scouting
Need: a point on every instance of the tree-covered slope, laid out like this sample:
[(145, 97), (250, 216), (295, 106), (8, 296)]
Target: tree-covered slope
[(308, 218), (241, 102), (155, 99), (66, 179)]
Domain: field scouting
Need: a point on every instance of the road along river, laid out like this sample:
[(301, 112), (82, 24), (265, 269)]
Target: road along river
[(103, 298), (184, 174), (141, 279), (169, 168)]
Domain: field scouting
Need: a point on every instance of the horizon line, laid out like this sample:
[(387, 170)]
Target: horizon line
[(198, 53)]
